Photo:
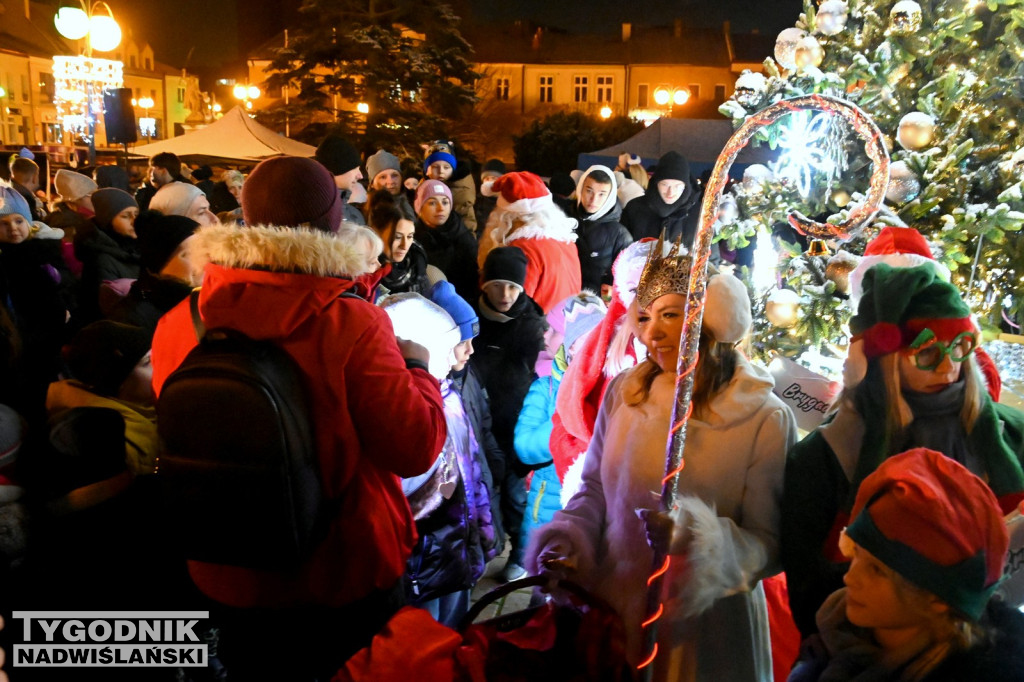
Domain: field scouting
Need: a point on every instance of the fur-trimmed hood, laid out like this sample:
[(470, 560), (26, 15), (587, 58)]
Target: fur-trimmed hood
[(279, 249)]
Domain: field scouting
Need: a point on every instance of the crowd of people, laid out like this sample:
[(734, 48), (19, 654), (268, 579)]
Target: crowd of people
[(489, 363)]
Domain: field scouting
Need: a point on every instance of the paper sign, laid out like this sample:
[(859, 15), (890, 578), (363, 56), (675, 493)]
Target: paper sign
[(807, 393)]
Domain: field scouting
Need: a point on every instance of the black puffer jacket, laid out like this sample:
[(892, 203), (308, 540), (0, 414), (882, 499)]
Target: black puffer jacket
[(505, 353), (599, 242), (998, 658), (451, 248)]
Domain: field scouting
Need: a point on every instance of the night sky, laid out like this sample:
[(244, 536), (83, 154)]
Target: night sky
[(212, 35)]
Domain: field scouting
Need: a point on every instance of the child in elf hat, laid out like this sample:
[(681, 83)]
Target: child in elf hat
[(911, 381), (927, 547)]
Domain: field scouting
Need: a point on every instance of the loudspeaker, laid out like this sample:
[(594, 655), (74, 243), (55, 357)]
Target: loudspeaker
[(119, 116)]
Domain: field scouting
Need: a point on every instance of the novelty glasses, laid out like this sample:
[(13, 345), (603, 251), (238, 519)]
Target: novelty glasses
[(929, 352)]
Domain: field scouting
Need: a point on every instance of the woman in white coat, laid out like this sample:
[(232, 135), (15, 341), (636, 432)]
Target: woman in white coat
[(724, 529)]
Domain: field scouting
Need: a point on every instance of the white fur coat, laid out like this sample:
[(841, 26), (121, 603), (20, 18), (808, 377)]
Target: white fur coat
[(715, 626)]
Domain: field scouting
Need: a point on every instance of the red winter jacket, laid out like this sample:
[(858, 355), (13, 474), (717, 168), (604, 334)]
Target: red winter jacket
[(375, 419)]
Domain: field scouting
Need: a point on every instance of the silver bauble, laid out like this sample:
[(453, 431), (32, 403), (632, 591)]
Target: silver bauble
[(750, 88), (785, 47), (831, 17), (916, 131), (809, 52), (755, 176), (904, 185), (905, 17), (728, 210)]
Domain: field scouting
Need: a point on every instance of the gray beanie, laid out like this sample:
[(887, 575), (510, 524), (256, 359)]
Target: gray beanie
[(379, 162)]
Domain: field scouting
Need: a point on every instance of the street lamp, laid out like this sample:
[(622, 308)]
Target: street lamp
[(671, 96), (246, 93), (606, 113), (81, 80)]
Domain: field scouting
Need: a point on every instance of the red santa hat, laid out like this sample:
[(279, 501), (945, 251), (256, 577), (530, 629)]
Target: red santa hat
[(520, 192), (900, 247)]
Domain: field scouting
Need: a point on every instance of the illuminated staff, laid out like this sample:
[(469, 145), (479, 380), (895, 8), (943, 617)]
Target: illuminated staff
[(693, 312)]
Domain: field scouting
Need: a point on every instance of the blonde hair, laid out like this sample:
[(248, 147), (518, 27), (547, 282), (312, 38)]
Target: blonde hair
[(638, 174), (716, 365), (898, 414)]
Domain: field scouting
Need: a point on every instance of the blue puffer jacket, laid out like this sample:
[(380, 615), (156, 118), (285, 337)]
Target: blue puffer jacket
[(533, 431), (456, 535)]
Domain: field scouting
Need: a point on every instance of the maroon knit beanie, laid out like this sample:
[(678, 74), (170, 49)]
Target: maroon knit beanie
[(291, 191)]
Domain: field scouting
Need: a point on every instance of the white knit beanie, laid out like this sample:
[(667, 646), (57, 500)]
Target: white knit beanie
[(175, 198), (73, 186)]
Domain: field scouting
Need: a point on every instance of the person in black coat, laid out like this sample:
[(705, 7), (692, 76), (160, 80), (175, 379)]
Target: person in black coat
[(166, 277), (512, 329), (600, 235), (450, 246), (107, 246), (407, 258), (671, 203)]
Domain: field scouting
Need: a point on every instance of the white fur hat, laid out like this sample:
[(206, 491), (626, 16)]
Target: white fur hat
[(419, 319)]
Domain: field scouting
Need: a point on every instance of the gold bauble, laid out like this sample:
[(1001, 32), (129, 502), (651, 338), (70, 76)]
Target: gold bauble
[(915, 131), (841, 198), (782, 308), (838, 270), (808, 52)]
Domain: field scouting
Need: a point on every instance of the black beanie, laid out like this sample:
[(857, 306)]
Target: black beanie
[(337, 155), (111, 176), (104, 353), (494, 166), (562, 184), (506, 264), (671, 166), (109, 202), (159, 236)]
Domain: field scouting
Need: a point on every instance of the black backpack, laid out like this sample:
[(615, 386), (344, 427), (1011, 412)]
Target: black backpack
[(238, 466)]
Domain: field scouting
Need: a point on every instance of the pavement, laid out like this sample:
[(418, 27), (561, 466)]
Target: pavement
[(510, 603)]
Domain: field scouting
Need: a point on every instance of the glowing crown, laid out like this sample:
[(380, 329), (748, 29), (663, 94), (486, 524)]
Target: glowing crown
[(663, 273)]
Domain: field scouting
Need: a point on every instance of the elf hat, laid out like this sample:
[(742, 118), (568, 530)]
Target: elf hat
[(898, 303), (898, 247), (521, 192), (936, 524), (439, 151)]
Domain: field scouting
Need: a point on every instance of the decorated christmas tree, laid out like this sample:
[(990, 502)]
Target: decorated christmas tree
[(943, 80)]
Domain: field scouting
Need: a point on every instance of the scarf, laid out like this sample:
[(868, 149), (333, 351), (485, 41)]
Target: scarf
[(999, 465)]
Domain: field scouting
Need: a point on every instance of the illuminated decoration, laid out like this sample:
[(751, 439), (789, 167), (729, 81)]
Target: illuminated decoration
[(363, 108), (79, 84), (662, 96), (147, 125), (606, 112), (681, 96), (72, 22), (766, 260), (804, 151), (693, 310)]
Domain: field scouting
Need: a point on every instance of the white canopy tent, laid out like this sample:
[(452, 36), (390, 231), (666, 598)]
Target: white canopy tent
[(236, 137)]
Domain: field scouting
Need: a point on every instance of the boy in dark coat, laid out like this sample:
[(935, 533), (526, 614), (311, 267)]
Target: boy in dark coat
[(600, 235), (511, 335)]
